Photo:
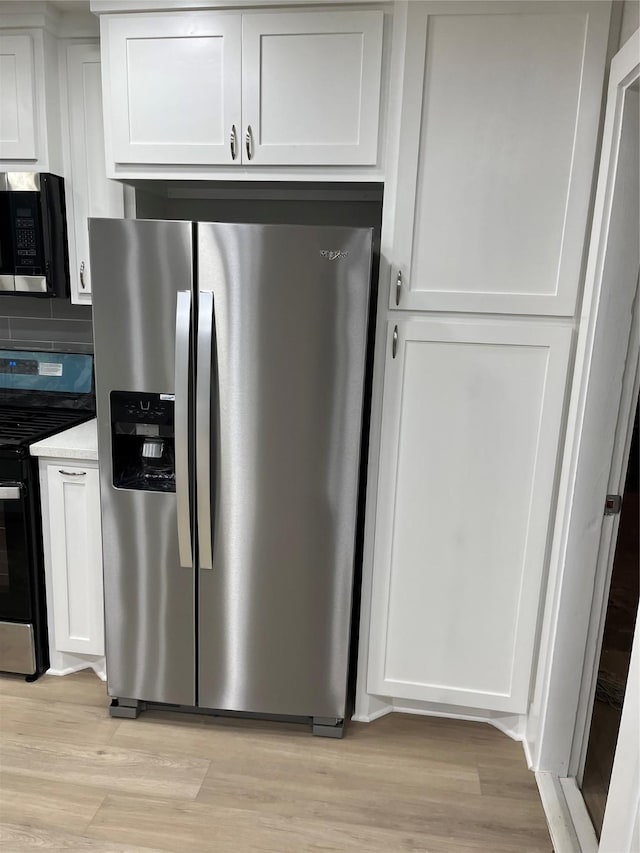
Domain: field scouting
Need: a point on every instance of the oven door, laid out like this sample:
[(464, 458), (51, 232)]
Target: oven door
[(17, 647), (15, 580)]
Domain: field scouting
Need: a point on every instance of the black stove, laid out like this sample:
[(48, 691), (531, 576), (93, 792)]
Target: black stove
[(21, 427), (41, 393)]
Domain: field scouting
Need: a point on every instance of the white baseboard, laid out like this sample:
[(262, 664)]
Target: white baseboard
[(67, 670), (98, 666), (527, 751), (511, 725), (373, 715)]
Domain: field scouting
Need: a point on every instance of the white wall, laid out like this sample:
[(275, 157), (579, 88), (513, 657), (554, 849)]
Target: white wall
[(630, 19)]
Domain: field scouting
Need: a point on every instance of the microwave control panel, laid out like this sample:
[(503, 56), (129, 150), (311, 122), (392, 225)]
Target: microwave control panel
[(26, 224)]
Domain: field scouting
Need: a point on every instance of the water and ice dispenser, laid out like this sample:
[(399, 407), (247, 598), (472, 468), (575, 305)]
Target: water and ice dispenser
[(142, 441)]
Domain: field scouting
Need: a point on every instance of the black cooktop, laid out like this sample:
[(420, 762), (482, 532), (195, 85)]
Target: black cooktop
[(21, 427)]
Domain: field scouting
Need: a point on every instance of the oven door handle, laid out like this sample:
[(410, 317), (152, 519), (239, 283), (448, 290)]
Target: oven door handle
[(10, 492)]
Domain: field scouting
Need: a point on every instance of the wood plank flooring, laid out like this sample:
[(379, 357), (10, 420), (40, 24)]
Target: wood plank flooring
[(72, 778)]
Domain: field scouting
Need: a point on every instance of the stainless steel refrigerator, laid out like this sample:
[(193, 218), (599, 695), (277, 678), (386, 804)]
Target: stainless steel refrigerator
[(230, 366)]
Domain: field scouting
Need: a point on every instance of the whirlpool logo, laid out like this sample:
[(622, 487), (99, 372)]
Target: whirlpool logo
[(333, 254)]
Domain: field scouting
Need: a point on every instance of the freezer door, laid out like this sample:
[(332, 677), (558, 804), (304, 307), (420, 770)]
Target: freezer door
[(142, 293), (290, 308)]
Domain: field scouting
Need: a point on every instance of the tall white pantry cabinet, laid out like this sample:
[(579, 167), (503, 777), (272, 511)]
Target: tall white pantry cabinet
[(498, 136)]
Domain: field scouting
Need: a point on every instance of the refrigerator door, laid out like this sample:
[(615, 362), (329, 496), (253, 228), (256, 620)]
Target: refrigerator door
[(142, 293), (290, 308)]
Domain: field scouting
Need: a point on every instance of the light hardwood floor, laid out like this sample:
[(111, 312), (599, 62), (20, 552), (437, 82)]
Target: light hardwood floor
[(72, 778)]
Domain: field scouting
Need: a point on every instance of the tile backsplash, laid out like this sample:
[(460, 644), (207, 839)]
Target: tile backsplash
[(44, 323)]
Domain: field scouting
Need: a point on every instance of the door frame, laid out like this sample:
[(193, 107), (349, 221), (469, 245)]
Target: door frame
[(577, 589), (621, 828), (606, 552)]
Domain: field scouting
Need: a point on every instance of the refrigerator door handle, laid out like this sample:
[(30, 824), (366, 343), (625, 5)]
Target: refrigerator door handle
[(181, 427), (203, 428)]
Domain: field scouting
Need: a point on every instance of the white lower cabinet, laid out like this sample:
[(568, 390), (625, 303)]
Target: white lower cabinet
[(472, 416), (70, 495)]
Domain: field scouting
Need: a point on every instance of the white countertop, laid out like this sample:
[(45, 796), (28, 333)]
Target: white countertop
[(78, 442)]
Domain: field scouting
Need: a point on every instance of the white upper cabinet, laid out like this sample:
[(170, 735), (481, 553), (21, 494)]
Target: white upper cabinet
[(29, 101), (472, 414), (202, 89), (311, 88), (172, 87), (87, 189), (500, 112), (17, 98)]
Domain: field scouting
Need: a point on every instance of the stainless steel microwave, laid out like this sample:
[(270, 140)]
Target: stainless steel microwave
[(33, 235)]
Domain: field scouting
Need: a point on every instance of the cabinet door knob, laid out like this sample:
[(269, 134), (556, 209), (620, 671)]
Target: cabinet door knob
[(398, 287), (394, 342), (233, 142), (248, 141), (71, 473), (82, 284)]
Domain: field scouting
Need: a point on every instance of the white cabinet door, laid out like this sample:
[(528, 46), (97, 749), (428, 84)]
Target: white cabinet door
[(311, 87), (471, 428), (17, 98), (76, 557), (501, 104), (88, 191), (171, 87)]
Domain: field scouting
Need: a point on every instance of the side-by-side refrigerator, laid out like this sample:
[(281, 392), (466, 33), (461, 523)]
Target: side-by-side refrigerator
[(230, 367)]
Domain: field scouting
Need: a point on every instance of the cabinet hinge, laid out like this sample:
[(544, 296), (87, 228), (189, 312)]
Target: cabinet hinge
[(613, 504)]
